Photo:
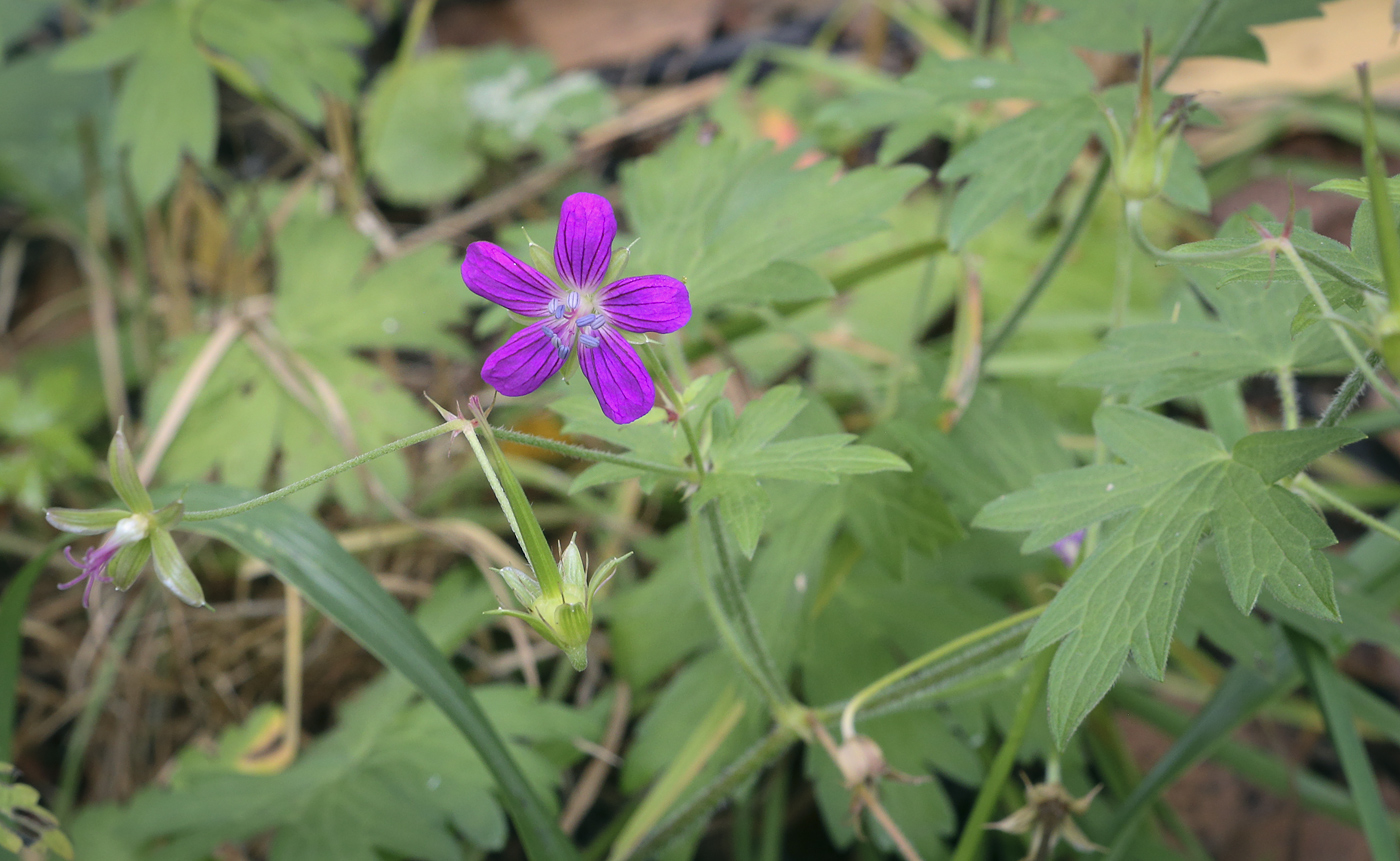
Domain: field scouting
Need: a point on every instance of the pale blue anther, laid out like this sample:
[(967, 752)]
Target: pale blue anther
[(588, 339), (589, 321), (572, 300), (557, 309)]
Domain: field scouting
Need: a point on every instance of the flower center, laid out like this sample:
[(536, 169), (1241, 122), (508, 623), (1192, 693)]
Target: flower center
[(579, 320)]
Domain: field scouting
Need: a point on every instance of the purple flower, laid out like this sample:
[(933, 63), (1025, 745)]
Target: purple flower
[(1067, 548), (582, 314), (128, 531)]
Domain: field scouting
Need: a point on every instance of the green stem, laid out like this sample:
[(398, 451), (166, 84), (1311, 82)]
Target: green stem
[(695, 810), (1331, 694), (581, 453), (734, 617), (512, 498), (1070, 234), (1287, 396), (1315, 259), (1133, 213), (421, 436), (1001, 766), (1051, 267), (418, 18), (1383, 216), (1305, 483), (1347, 393), (575, 451), (987, 632), (1253, 765), (678, 407), (1338, 330)]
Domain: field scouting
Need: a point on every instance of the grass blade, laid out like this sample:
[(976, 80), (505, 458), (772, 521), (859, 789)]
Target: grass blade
[(12, 607), (1242, 693), (1331, 693), (308, 557)]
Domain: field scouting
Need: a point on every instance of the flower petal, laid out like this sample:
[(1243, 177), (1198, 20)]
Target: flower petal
[(491, 273), (624, 388), (524, 361), (583, 245), (646, 303)]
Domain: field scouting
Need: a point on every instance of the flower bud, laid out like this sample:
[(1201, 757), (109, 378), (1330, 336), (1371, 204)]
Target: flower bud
[(564, 618), (1142, 157)]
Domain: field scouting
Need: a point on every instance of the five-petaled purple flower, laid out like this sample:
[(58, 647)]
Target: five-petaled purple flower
[(582, 313)]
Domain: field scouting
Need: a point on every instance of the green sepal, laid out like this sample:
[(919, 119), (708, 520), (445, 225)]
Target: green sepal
[(575, 625), (83, 522), (525, 587), (126, 565), (540, 256), (540, 627), (174, 572), (572, 570), (603, 575), (637, 339), (169, 516), (619, 263), (125, 481)]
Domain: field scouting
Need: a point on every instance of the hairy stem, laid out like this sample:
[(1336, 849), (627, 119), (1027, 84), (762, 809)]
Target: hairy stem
[(1329, 499), (988, 632), (734, 617), (1001, 766), (329, 472), (1347, 394), (1329, 315)]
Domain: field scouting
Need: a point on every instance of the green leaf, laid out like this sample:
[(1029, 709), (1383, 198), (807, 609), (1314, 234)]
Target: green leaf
[(296, 51), (1281, 453), (393, 775), (1022, 160), (300, 550), (1117, 25), (716, 213), (18, 17), (779, 281), (821, 459), (891, 514), (743, 504), (1045, 69), (417, 132), (1358, 188), (166, 107), (1124, 598), (1253, 333), (42, 115), (331, 301)]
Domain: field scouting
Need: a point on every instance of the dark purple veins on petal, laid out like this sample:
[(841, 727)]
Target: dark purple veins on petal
[(583, 245), (491, 273), (646, 303), (624, 388), (527, 358)]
